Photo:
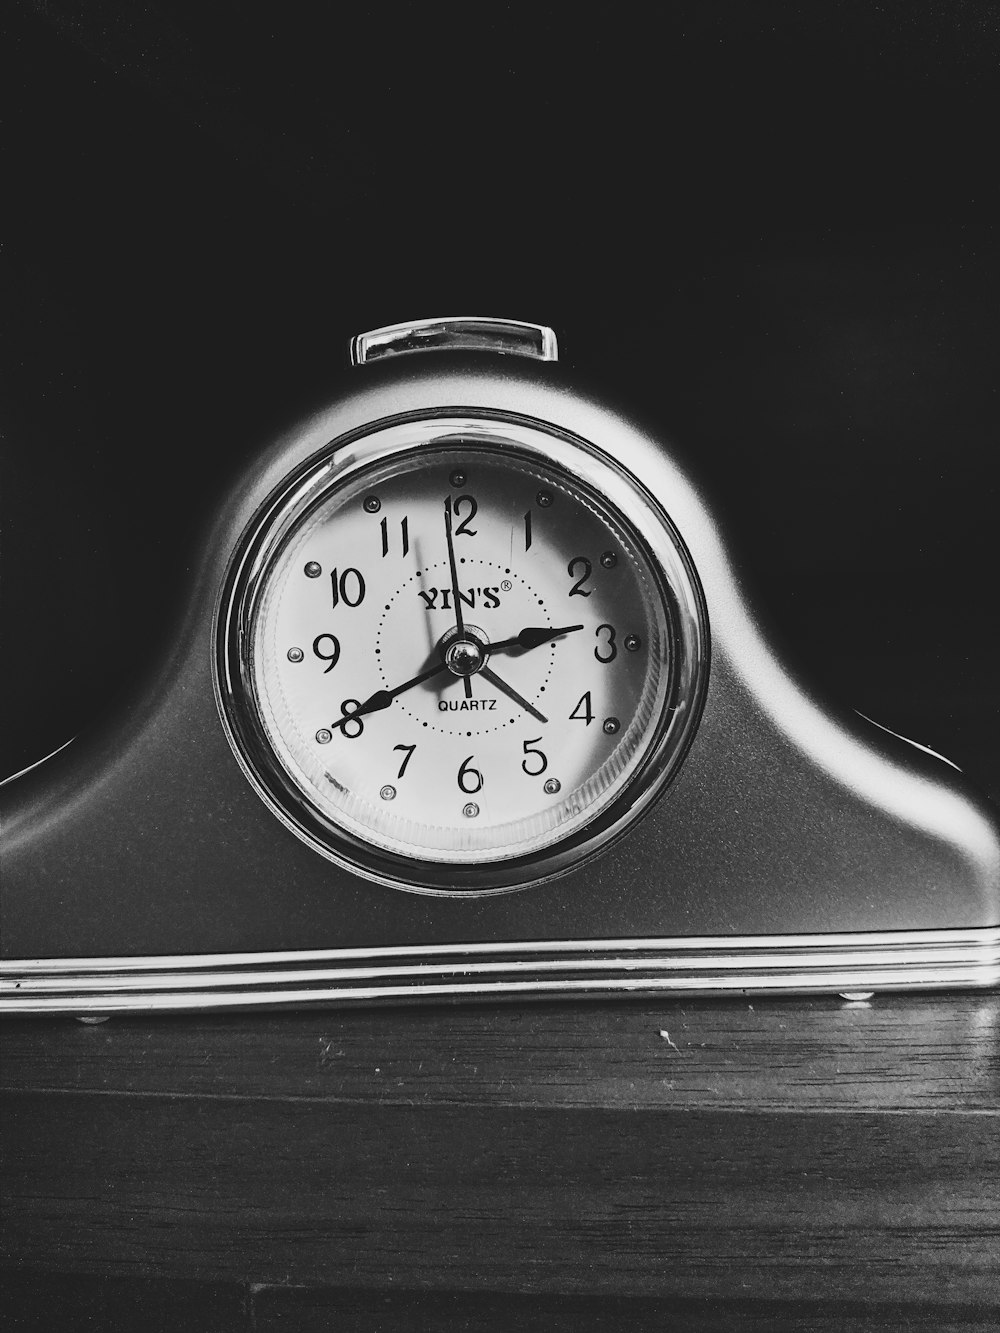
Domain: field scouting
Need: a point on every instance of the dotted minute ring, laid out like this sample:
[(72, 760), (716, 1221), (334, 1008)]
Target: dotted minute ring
[(506, 585)]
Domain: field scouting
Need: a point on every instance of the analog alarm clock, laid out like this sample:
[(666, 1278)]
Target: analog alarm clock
[(467, 703)]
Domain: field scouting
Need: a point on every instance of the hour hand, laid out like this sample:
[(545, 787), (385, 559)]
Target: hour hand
[(532, 637), (383, 698)]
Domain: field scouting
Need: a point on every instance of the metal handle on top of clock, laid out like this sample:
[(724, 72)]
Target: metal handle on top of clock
[(462, 333)]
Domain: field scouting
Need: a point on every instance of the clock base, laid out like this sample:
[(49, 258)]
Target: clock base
[(535, 970)]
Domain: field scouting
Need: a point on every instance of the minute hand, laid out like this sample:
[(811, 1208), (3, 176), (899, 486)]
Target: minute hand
[(532, 638), (511, 693)]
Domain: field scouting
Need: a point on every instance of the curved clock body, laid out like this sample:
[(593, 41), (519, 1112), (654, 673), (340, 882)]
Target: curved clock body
[(467, 702)]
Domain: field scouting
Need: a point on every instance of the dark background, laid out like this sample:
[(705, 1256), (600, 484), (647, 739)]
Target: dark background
[(768, 228)]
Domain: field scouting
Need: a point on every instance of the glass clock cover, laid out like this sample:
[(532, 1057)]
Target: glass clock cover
[(460, 654)]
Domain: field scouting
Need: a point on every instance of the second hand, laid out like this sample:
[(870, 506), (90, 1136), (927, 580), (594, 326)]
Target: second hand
[(459, 623)]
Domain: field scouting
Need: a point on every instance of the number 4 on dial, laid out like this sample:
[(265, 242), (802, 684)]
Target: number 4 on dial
[(584, 711)]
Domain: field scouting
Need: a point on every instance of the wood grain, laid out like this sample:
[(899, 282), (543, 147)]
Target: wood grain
[(72, 1303), (304, 1310), (927, 1052), (506, 1199), (774, 1151), (61, 1303)]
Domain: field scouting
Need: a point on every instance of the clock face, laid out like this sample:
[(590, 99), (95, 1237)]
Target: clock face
[(458, 655)]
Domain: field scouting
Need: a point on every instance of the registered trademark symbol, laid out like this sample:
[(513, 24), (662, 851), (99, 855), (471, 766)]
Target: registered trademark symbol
[(506, 585)]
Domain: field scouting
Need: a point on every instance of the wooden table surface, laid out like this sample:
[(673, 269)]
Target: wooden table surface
[(797, 1163)]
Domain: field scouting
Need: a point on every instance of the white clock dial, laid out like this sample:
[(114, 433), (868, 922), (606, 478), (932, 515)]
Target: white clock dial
[(468, 651)]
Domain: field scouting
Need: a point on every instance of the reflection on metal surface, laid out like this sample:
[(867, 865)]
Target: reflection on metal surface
[(462, 333), (12, 777), (926, 749), (586, 969)]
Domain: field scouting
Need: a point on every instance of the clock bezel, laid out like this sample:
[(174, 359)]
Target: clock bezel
[(542, 442)]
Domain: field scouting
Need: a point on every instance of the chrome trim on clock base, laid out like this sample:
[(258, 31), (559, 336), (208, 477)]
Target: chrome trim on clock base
[(531, 970)]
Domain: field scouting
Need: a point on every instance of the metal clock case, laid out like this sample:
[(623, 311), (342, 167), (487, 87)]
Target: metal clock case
[(467, 703)]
